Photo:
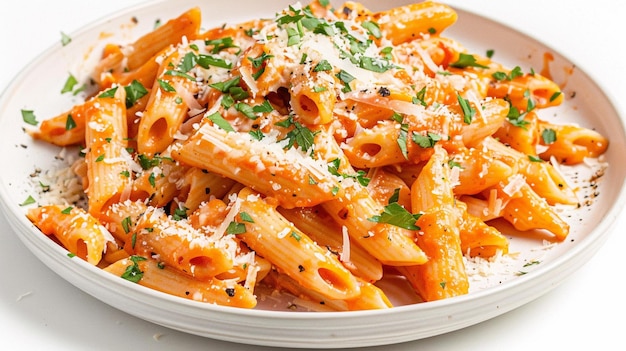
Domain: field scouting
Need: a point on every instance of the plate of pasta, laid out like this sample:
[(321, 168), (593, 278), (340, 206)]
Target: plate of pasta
[(309, 173)]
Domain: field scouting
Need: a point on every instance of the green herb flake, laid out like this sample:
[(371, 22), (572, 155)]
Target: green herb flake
[(108, 93), (372, 28), (134, 91), (65, 39), (152, 179), (133, 273), (235, 228), (166, 86), (206, 61), (555, 96), (295, 235), (256, 134), (220, 44), (468, 110), (419, 98), (70, 123), (69, 85), (322, 66), (146, 162), (395, 197), (345, 78), (67, 210), (466, 60), (100, 158), (426, 141), (293, 36), (29, 201), (402, 140), (398, 216), (301, 136), (126, 224), (259, 60), (29, 117), (246, 110), (245, 216), (548, 136), (180, 213), (225, 86), (219, 121)]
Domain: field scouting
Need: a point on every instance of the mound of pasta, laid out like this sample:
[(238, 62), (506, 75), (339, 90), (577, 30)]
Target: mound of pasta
[(311, 153)]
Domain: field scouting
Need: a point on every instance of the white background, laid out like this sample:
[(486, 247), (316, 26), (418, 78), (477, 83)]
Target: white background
[(39, 310)]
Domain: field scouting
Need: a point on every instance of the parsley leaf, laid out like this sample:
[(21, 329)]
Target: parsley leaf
[(219, 121), (29, 117), (70, 82), (466, 60), (426, 141), (134, 92), (372, 28), (70, 123), (235, 228), (133, 273), (548, 135), (397, 215), (29, 201), (468, 110)]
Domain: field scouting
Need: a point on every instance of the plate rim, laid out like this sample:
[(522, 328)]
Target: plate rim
[(590, 244)]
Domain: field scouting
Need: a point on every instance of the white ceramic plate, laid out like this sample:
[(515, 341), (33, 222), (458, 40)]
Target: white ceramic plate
[(38, 87)]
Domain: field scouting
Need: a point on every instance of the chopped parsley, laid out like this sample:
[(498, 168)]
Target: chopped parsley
[(548, 136), (398, 216), (65, 39), (134, 91), (166, 86), (426, 141), (29, 201), (466, 60), (372, 28), (235, 228), (300, 135), (133, 273), (468, 110), (70, 123), (322, 66), (29, 117), (219, 121), (69, 85)]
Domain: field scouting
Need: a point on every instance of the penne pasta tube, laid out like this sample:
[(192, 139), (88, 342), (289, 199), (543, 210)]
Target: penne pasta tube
[(443, 275), (287, 175), (413, 21), (478, 238), (78, 231), (136, 54), (370, 298), (149, 273), (541, 176), (106, 143), (148, 231), (323, 229), (276, 239), (570, 144)]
